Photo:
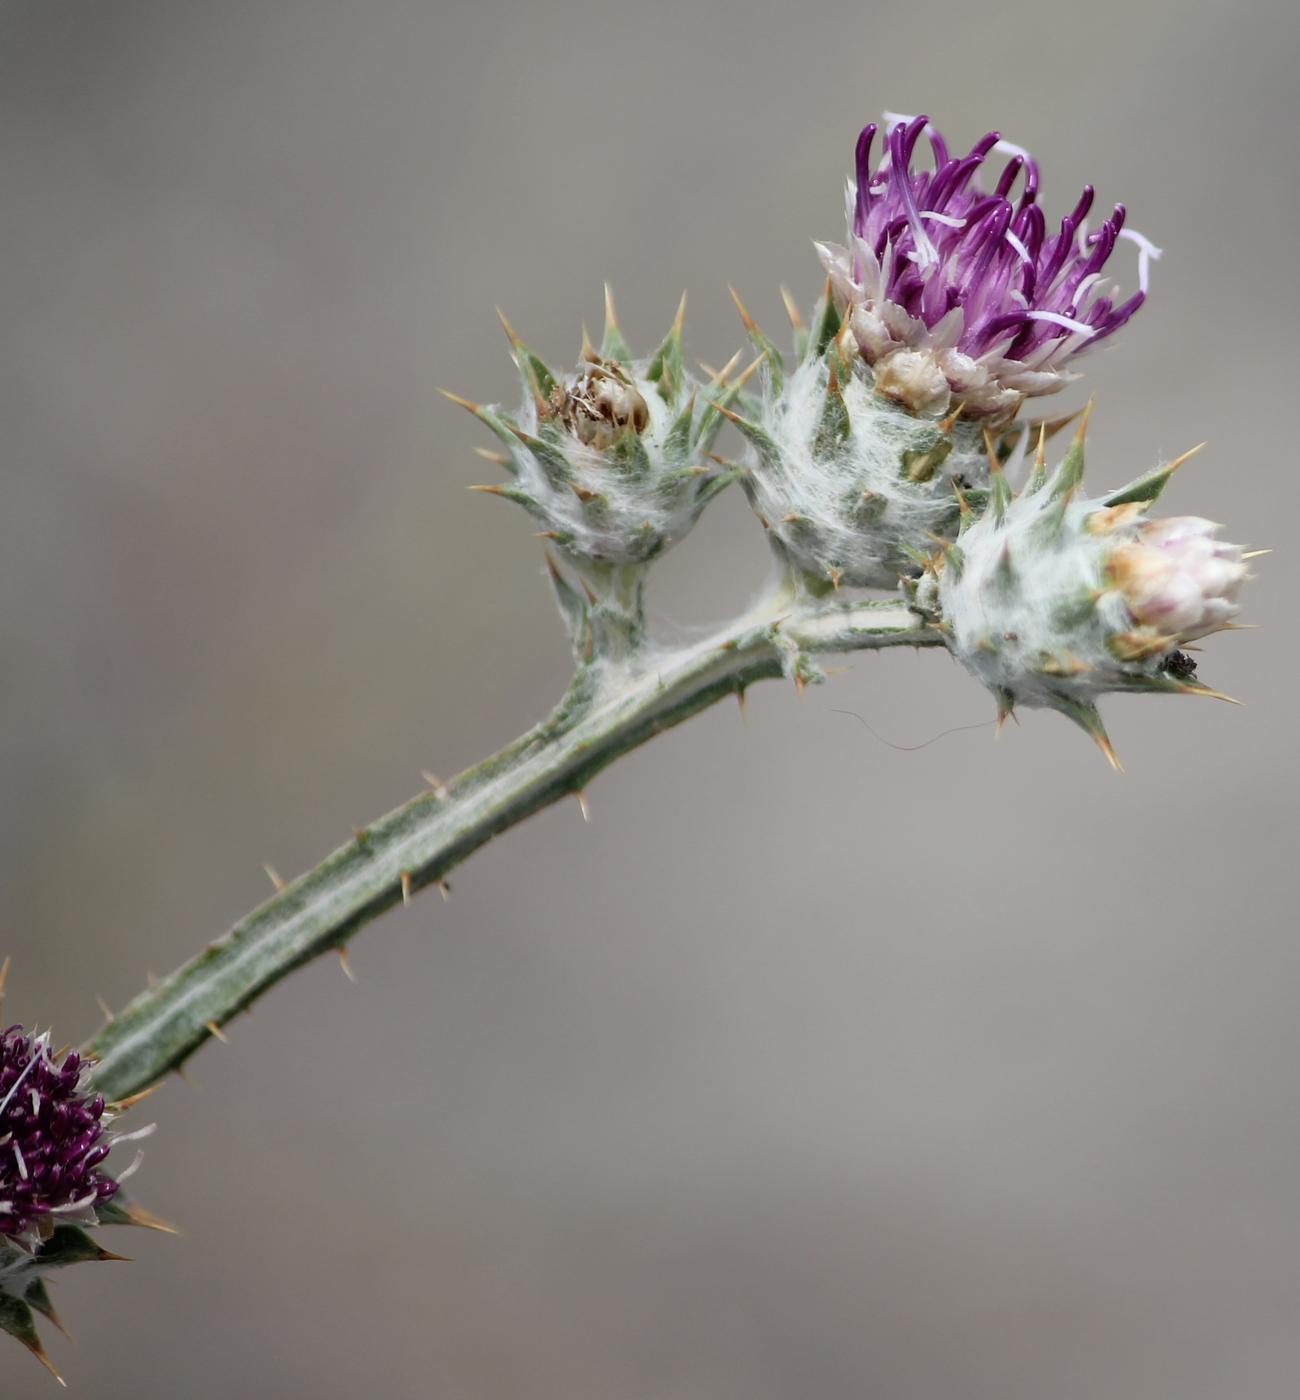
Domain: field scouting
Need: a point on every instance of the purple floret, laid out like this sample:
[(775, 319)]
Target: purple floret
[(938, 263), (51, 1139)]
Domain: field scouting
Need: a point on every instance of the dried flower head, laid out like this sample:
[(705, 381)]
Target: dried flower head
[(960, 294)]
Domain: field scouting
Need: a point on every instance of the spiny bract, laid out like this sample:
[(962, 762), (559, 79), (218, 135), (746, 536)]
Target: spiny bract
[(849, 483), (1051, 598), (612, 459)]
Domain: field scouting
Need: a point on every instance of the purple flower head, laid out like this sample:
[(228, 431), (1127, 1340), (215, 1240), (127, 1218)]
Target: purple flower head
[(53, 1141), (957, 293)]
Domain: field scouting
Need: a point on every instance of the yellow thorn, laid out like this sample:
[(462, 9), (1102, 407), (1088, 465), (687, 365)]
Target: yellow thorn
[(726, 412), (346, 965), (38, 1351), (611, 320), (1208, 693), (1178, 461), (436, 783), (792, 309), (1040, 456), (749, 370), (680, 319), (1080, 433), (582, 806), (746, 319), (106, 1009), (406, 886), (508, 328), (1104, 744), (835, 575), (719, 376), (487, 490), (444, 889), (1256, 553), (273, 875), (147, 1220), (499, 458), (122, 1105), (947, 425), (51, 1315), (590, 592), (963, 505), (456, 398), (990, 451), (216, 1032), (588, 351)]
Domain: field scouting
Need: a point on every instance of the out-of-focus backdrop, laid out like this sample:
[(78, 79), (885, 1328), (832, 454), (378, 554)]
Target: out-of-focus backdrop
[(808, 1068)]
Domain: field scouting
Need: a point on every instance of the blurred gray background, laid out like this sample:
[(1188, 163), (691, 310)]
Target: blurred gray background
[(810, 1067)]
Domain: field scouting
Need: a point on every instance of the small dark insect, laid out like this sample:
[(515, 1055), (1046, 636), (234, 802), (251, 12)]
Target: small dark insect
[(1179, 665)]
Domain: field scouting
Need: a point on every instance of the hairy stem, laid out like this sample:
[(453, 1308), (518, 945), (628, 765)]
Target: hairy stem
[(610, 708)]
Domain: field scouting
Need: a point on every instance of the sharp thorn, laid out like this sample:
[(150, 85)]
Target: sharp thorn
[(588, 351), (346, 965), (122, 1105), (743, 704), (508, 328), (680, 319), (1080, 433), (147, 1220), (273, 875), (1249, 554), (611, 319), (436, 783), (792, 309), (216, 1032), (106, 1009), (1187, 456), (444, 889), (745, 318), (582, 806), (499, 458), (456, 398), (487, 490), (406, 886)]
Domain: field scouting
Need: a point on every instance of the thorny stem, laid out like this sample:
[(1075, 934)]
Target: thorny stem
[(610, 708)]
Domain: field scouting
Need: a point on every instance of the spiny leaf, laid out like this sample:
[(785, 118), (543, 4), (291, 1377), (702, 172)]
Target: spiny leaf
[(613, 346), (16, 1319), (1070, 473), (666, 365), (771, 355), (826, 324), (1147, 488), (538, 379), (1088, 718)]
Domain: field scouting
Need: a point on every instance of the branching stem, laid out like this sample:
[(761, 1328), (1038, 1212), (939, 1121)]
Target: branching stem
[(610, 708)]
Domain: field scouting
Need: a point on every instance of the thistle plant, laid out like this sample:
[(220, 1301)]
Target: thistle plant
[(906, 491)]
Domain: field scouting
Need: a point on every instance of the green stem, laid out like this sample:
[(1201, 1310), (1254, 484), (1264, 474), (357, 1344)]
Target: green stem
[(610, 708)]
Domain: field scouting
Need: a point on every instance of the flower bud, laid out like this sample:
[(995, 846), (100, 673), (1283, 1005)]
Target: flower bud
[(849, 484), (611, 459), (1052, 599), (1175, 576)]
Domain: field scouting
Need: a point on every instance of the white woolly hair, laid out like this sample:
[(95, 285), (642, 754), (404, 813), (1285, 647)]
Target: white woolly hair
[(838, 529), (642, 511), (1058, 610)]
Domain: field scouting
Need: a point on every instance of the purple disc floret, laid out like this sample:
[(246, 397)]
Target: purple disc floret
[(969, 283), (52, 1139)]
